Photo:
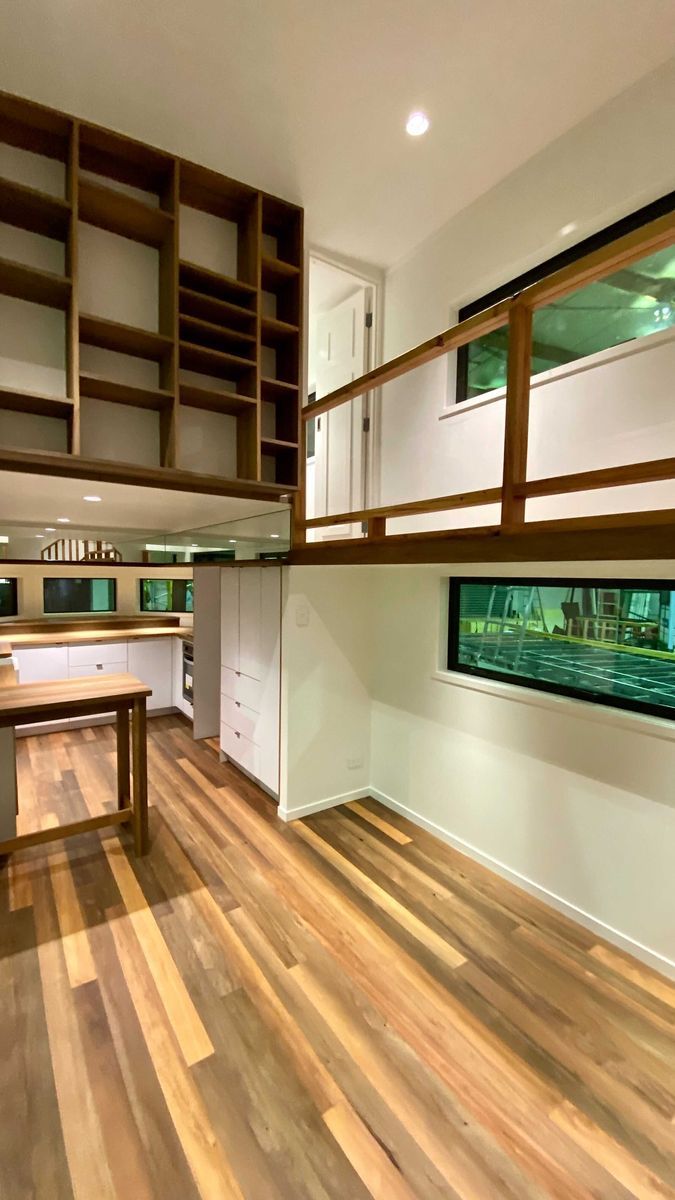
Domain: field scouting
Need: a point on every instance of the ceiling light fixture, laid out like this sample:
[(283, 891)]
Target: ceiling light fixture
[(49, 529), (92, 499), (275, 535), (232, 539), (39, 535), (571, 227), (417, 124), (63, 520)]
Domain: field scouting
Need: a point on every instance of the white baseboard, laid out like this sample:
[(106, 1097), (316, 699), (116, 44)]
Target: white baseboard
[(651, 958), (294, 814)]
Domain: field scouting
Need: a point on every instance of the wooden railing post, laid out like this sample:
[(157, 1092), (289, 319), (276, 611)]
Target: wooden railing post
[(377, 527), (517, 417), (299, 502)]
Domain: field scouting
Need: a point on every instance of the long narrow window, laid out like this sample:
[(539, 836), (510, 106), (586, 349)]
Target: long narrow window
[(8, 598), (166, 595), (79, 595), (608, 641), (632, 303)]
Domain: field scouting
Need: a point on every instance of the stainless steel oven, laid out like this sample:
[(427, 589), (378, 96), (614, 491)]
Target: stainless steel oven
[(188, 672)]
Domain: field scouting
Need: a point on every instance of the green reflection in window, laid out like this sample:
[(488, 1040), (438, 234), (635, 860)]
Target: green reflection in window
[(633, 303), (606, 641), (166, 595)]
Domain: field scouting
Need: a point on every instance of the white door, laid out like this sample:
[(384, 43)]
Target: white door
[(342, 351)]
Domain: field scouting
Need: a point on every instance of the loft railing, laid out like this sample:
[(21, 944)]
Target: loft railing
[(515, 488)]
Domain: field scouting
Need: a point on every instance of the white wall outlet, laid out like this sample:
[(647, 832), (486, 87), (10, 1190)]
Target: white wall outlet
[(354, 762), (302, 614)]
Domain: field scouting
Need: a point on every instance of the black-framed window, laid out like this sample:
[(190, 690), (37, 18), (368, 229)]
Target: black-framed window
[(79, 595), (629, 304), (9, 597), (167, 595), (604, 640)]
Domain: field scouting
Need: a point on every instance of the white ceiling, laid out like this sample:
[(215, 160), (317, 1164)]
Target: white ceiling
[(308, 98), (36, 501)]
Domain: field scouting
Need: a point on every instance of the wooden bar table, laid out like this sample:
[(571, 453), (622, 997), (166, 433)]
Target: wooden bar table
[(57, 700)]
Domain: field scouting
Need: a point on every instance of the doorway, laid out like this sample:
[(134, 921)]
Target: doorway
[(341, 348)]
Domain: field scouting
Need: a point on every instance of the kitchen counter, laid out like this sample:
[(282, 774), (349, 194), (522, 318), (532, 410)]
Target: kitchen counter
[(74, 637)]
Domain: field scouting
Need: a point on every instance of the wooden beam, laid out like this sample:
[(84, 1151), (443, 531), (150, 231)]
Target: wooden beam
[(636, 536), (411, 508), (517, 417), (459, 335), (67, 466)]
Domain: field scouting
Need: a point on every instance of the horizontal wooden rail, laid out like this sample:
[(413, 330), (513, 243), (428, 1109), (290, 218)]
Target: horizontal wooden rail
[(459, 335), (412, 508), (654, 471)]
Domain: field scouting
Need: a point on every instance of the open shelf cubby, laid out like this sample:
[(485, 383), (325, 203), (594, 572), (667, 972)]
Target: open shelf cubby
[(179, 293)]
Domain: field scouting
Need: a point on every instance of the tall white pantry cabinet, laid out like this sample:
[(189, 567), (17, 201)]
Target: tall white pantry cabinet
[(250, 672)]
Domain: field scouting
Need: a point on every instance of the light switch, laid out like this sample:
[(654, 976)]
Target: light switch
[(302, 614)]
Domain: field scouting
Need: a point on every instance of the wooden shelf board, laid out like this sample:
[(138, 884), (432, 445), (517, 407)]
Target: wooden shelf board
[(218, 312), (275, 331), (38, 212), (277, 389), (220, 287), (276, 445), (123, 393), (124, 215), (17, 400), (230, 403), (213, 362), (216, 337), (125, 339), (276, 272), (30, 283)]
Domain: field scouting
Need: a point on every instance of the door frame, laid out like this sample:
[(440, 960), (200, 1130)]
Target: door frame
[(371, 278)]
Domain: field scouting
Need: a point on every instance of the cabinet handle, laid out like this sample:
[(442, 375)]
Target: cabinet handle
[(237, 734), (238, 703)]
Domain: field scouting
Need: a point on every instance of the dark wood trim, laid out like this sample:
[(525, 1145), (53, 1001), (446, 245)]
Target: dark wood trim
[(45, 462), (412, 508)]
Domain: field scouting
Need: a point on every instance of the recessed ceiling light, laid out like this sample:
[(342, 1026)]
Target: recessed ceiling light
[(274, 535), (63, 520), (232, 539), (92, 499), (194, 546), (49, 529), (39, 535), (571, 227), (417, 124)]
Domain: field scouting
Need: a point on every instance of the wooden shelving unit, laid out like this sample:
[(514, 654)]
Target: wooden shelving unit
[(227, 345)]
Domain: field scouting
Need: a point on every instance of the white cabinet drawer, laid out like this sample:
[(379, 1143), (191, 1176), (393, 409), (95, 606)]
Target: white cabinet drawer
[(240, 718), (241, 688), (96, 669), (240, 749), (98, 652)]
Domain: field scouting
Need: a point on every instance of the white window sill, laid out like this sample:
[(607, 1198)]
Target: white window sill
[(584, 710)]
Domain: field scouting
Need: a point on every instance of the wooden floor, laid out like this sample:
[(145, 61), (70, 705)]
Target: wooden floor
[(339, 1009)]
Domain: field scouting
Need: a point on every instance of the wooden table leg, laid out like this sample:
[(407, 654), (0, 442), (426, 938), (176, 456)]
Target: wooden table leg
[(123, 760), (140, 788)]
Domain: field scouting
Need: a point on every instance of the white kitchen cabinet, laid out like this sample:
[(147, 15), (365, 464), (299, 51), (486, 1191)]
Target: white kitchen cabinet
[(229, 618), (250, 693), (250, 621), (41, 663), (85, 656), (151, 662), (38, 664)]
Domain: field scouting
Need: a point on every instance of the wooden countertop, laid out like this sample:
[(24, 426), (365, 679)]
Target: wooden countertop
[(76, 637), (67, 697)]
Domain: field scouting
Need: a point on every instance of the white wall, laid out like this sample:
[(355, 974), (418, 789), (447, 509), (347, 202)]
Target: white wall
[(608, 166), (573, 801), (325, 679)]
